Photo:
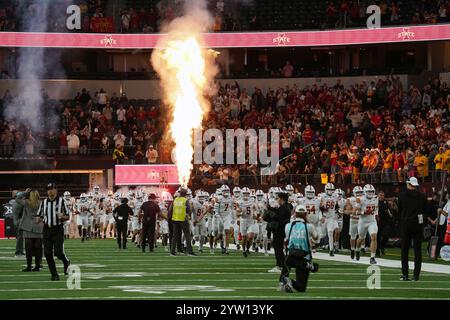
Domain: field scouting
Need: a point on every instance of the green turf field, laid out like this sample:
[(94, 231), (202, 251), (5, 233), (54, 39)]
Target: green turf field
[(110, 273)]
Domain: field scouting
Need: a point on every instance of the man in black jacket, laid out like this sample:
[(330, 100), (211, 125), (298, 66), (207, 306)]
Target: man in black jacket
[(412, 205), (122, 214), (384, 219), (279, 219)]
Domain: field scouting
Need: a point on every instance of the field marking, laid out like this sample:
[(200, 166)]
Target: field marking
[(182, 288), (218, 280), (283, 297)]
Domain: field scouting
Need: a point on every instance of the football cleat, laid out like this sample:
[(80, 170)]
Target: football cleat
[(245, 254), (373, 261), (352, 254), (357, 255), (331, 253)]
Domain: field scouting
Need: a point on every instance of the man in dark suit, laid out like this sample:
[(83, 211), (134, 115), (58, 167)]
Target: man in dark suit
[(149, 212), (412, 205), (278, 220), (122, 214)]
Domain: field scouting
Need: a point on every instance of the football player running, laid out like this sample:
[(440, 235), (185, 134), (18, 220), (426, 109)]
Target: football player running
[(237, 196), (223, 217), (341, 202), (200, 209), (83, 211), (136, 225), (246, 211), (367, 222), (351, 207), (70, 208), (328, 202), (312, 204)]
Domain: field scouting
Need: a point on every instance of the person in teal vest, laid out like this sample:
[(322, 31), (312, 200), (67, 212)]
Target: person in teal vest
[(179, 213)]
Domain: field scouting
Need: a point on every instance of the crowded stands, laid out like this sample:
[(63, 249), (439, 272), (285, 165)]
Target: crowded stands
[(377, 131), (140, 16)]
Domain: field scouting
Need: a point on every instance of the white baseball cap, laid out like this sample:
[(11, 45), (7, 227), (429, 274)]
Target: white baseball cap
[(413, 181)]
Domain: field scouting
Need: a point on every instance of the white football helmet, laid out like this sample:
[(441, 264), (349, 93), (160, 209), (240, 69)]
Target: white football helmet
[(225, 191), (259, 195), (130, 195), (67, 195), (369, 191), (139, 196), (117, 196), (329, 189), (339, 193), (245, 193), (90, 196), (310, 192), (289, 189), (83, 197), (96, 189), (219, 192), (358, 191), (237, 192), (110, 194)]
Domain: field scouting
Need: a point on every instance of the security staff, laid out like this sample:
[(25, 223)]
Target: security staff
[(179, 212), (298, 253), (278, 221), (412, 205), (52, 212), (121, 215), (150, 210)]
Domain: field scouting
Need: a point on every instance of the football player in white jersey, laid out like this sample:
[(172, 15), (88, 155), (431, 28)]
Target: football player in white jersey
[(199, 211), (237, 196), (367, 222), (223, 217), (328, 202), (312, 205), (69, 202), (163, 223), (341, 202), (136, 224), (106, 217), (292, 196), (96, 192), (83, 211), (246, 212), (261, 207), (351, 207)]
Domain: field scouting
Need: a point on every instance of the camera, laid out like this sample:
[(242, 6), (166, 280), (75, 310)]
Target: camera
[(312, 266)]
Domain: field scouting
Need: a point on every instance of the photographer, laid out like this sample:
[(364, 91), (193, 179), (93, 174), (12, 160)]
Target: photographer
[(298, 253), (32, 229)]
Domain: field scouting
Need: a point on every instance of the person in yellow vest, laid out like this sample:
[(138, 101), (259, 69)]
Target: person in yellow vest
[(387, 165), (439, 163), (118, 155), (179, 213), (421, 164)]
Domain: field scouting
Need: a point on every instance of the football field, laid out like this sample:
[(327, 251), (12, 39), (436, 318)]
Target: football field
[(110, 273)]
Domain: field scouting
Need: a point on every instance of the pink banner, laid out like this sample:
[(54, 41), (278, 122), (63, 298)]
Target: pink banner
[(142, 175), (231, 40)]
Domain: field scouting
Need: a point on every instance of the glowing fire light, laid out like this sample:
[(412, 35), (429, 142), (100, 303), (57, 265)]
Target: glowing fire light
[(182, 66)]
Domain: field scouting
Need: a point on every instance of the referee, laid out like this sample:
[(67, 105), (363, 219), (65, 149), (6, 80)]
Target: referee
[(53, 212)]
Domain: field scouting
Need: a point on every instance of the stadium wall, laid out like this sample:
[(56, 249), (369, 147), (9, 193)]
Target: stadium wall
[(150, 89)]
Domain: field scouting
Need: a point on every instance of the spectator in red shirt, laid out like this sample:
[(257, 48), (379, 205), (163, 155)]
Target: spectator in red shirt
[(307, 135)]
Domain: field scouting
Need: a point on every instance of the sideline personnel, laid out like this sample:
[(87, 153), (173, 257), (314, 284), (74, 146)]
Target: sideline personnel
[(411, 207), (53, 212), (298, 253), (150, 210), (179, 212), (122, 214)]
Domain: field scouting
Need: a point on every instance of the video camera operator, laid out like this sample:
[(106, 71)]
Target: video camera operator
[(298, 253)]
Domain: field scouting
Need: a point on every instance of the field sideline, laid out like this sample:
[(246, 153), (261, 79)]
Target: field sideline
[(110, 273)]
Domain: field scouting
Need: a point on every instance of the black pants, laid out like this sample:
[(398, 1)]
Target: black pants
[(122, 229), (382, 238), (148, 235), (278, 240), (179, 244), (301, 276), (19, 241), (54, 246), (411, 233), (33, 248), (178, 227)]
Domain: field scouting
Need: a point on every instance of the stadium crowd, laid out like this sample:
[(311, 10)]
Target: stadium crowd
[(146, 17), (368, 132)]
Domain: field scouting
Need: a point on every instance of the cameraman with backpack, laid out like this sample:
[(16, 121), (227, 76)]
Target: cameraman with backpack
[(298, 253)]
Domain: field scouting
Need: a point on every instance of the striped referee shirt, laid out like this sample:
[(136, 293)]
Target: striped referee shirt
[(49, 210)]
